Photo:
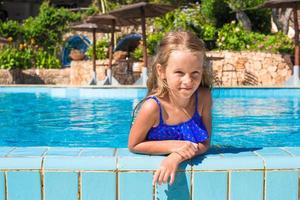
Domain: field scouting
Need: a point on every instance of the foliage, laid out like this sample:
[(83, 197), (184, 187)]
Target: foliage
[(36, 42), (153, 40), (278, 42), (11, 29), (26, 57), (220, 12), (217, 12), (172, 2), (234, 37), (101, 49), (188, 18), (243, 4), (137, 54), (13, 58), (45, 60), (48, 27)]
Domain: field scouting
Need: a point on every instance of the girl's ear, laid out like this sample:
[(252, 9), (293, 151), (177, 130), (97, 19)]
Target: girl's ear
[(160, 71)]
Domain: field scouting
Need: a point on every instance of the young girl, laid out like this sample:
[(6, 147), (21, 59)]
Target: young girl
[(175, 117)]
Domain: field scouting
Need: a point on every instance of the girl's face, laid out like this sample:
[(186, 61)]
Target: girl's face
[(183, 72)]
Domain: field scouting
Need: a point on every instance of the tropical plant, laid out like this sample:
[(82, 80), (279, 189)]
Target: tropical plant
[(234, 37), (27, 56), (153, 40), (11, 29), (48, 27), (137, 54), (101, 49), (217, 12)]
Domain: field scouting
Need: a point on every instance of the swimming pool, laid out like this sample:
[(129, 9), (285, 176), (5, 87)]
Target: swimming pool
[(90, 117), (79, 118)]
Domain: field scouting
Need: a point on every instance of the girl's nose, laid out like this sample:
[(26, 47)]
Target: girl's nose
[(187, 79)]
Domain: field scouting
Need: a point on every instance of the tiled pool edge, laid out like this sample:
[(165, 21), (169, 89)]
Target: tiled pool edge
[(91, 173), (140, 92)]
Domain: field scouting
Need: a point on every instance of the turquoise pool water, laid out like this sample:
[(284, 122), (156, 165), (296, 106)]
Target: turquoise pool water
[(101, 117)]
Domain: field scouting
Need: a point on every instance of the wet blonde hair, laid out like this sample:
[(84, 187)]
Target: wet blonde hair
[(174, 41)]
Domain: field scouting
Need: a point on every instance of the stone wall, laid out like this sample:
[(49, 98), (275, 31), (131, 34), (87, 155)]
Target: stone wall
[(35, 76), (229, 68), (249, 68)]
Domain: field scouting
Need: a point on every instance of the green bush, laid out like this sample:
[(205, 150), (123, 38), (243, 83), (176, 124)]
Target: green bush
[(37, 42), (101, 49), (278, 42), (153, 41), (187, 18), (11, 29), (137, 54), (13, 58), (48, 27), (25, 57), (233, 37), (45, 60)]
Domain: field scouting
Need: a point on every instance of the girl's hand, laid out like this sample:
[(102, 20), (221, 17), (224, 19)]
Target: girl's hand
[(167, 169), (188, 150)]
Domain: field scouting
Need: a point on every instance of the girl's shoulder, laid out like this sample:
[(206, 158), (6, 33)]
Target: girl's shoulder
[(150, 104)]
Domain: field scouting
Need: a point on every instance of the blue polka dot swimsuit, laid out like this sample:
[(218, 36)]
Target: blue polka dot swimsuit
[(192, 130)]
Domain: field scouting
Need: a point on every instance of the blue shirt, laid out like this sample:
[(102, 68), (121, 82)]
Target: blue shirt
[(192, 130)]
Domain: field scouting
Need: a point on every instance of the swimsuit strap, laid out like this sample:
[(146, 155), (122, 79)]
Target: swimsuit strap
[(161, 121)]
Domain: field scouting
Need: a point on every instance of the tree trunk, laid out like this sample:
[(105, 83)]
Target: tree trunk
[(244, 19), (281, 18), (101, 5)]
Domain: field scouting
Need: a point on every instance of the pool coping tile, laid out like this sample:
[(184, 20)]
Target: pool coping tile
[(62, 151), (5, 150), (145, 163), (27, 151), (295, 151), (98, 152), (79, 163), (20, 163), (272, 151), (228, 163), (282, 162)]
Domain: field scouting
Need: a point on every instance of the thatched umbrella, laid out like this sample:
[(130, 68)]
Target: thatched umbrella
[(112, 21), (142, 10), (295, 5), (91, 27)]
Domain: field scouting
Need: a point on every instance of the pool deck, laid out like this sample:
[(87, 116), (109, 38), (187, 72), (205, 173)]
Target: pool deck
[(110, 173)]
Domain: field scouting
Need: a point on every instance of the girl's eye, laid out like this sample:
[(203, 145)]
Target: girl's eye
[(179, 72), (196, 74)]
